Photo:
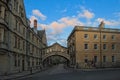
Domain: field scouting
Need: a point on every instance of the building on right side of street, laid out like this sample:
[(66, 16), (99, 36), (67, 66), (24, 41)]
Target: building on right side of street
[(91, 47)]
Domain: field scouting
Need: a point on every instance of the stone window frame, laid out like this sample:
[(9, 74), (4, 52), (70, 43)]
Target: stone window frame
[(104, 46), (24, 31), (0, 10), (113, 37), (18, 60), (23, 45), (3, 35), (95, 36), (95, 46), (16, 6), (19, 43), (95, 59), (113, 46), (15, 60), (86, 36), (104, 58), (104, 37), (32, 48), (86, 46), (0, 36), (6, 16), (113, 58), (15, 41)]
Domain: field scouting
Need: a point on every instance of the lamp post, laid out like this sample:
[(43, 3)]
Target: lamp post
[(100, 49), (101, 26)]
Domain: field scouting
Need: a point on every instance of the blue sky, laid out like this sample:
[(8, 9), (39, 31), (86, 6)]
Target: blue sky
[(59, 17)]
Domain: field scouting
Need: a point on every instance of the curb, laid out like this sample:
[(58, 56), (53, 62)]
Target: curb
[(28, 74), (97, 69)]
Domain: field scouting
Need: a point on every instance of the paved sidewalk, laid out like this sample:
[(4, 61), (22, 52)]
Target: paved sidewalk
[(97, 69), (18, 75)]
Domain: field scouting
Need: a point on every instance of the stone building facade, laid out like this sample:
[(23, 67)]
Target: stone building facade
[(91, 47), (20, 45)]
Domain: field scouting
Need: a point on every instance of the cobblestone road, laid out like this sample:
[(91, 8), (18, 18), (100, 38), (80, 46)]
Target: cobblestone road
[(60, 73)]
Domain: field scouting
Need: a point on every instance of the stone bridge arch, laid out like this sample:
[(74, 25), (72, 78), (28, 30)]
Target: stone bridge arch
[(52, 53), (55, 53)]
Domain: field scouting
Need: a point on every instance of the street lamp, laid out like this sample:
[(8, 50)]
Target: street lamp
[(101, 26), (100, 50)]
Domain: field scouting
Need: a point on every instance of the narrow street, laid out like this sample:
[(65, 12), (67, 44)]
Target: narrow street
[(60, 73), (58, 69)]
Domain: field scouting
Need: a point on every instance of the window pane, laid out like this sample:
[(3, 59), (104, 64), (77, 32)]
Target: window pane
[(0, 35), (113, 59), (95, 46), (95, 36), (113, 46), (104, 58), (85, 46), (0, 10), (86, 36), (113, 37), (86, 60), (104, 36), (104, 46), (95, 59)]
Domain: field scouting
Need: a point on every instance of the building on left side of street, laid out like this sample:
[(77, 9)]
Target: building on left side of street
[(20, 45)]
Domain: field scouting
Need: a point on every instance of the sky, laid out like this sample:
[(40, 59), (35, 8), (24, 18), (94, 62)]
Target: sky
[(58, 17)]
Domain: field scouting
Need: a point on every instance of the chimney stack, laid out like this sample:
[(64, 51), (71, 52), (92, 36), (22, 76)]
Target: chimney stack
[(35, 24), (102, 25)]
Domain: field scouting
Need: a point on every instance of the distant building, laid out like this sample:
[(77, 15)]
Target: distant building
[(20, 45), (91, 47)]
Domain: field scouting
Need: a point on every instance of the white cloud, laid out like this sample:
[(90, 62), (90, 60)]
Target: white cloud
[(117, 14), (65, 10), (63, 42), (86, 14), (109, 22), (57, 26), (39, 14), (43, 26), (61, 24), (70, 21), (55, 29)]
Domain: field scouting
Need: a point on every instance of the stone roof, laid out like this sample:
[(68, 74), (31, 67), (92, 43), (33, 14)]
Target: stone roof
[(41, 33)]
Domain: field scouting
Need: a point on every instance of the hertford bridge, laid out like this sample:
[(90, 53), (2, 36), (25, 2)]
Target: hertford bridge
[(55, 50)]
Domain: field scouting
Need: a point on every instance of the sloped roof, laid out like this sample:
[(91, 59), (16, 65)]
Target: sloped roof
[(56, 44), (41, 33)]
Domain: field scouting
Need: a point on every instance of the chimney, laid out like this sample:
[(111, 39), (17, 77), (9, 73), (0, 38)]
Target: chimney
[(102, 25), (35, 24)]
